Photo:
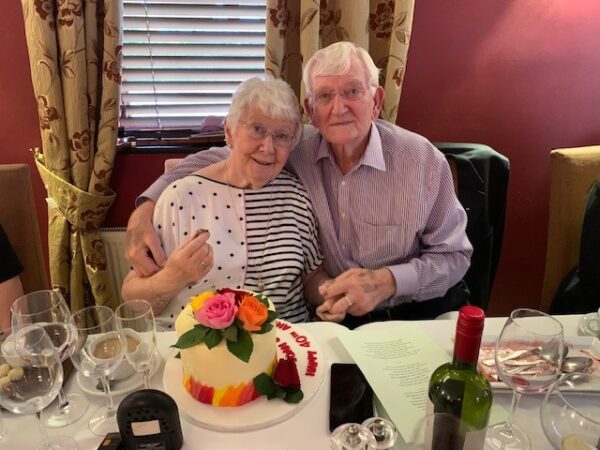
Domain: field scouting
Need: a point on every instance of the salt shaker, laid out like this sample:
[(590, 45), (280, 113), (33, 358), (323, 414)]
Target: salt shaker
[(352, 436)]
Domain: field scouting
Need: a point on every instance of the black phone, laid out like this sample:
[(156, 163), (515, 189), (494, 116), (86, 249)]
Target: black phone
[(351, 398)]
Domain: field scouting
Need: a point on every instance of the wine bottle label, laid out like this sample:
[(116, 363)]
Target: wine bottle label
[(445, 431)]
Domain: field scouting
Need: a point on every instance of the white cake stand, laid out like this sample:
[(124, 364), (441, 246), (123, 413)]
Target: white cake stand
[(260, 413)]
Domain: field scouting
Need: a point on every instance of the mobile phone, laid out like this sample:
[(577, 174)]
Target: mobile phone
[(351, 398)]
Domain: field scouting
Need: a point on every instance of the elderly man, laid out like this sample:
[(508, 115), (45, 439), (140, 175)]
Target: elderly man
[(391, 228)]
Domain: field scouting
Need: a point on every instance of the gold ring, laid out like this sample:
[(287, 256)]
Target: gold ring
[(348, 300)]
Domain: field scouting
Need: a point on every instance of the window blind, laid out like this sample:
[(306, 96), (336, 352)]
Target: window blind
[(183, 59)]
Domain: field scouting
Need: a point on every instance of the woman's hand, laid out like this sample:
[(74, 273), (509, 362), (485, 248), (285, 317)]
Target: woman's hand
[(191, 261)]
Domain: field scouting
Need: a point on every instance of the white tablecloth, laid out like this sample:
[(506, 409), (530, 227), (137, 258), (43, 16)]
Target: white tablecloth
[(308, 429)]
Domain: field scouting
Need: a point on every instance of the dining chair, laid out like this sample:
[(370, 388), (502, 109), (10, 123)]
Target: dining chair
[(572, 172), (19, 219)]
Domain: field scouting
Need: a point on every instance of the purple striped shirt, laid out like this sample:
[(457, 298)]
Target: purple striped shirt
[(396, 208)]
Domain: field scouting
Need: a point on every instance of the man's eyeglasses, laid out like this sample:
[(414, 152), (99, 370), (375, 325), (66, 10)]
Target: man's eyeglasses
[(259, 132), (351, 94)]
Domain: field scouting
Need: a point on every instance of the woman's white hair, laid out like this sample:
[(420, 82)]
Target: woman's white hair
[(336, 59), (274, 98)]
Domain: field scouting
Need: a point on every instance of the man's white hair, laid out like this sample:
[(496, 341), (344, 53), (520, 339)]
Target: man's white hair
[(336, 59)]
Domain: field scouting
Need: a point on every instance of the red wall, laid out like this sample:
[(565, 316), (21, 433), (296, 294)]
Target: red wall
[(520, 76), (523, 77)]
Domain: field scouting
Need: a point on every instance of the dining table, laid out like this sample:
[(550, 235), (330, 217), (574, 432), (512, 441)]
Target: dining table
[(308, 427)]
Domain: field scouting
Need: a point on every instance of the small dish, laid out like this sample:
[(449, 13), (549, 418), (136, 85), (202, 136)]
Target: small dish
[(118, 387), (589, 325)]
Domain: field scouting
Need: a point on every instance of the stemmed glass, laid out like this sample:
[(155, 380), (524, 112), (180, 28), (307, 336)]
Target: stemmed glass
[(135, 321), (34, 377), (99, 350), (568, 417), (49, 310), (529, 354)]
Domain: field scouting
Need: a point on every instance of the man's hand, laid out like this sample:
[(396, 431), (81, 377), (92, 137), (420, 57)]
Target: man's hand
[(356, 292), (143, 251), (191, 261)]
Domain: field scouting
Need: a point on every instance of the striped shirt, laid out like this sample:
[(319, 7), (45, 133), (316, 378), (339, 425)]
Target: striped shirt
[(396, 208), (263, 240)]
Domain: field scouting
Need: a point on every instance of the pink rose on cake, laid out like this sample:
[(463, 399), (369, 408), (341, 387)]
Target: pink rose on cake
[(218, 311)]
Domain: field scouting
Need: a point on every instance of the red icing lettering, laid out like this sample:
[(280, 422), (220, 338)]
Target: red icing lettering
[(300, 339), (287, 351), (312, 364), (282, 326)]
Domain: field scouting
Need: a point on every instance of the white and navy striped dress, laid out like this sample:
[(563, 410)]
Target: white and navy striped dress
[(266, 236)]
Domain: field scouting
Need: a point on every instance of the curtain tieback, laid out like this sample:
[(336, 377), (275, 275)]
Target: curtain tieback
[(83, 210)]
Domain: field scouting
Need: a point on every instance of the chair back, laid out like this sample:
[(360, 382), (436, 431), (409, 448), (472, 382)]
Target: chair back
[(19, 220), (572, 172), (579, 291)]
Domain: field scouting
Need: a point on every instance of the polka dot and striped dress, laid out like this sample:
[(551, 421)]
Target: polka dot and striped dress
[(265, 238)]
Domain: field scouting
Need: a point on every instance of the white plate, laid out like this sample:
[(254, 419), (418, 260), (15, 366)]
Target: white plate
[(261, 412), (578, 346), (584, 330), (89, 385)]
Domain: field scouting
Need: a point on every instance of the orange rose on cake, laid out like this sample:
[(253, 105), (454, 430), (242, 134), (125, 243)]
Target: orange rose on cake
[(252, 313)]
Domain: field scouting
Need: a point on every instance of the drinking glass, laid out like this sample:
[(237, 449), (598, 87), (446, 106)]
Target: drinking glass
[(529, 354), (568, 416), (33, 377), (135, 321), (49, 310), (99, 350)]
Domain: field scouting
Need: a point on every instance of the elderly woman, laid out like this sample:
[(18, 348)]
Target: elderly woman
[(243, 222)]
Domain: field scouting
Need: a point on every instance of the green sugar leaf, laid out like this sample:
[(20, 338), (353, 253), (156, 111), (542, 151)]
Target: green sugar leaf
[(231, 333), (242, 348), (264, 384), (213, 338), (192, 337)]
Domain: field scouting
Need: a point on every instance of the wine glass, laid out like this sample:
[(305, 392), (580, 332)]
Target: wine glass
[(135, 321), (571, 417), (99, 350), (49, 310), (352, 436), (33, 378), (529, 354)]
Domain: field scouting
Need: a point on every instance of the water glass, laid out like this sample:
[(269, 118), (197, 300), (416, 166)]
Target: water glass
[(99, 349), (31, 377), (135, 321), (568, 416), (49, 310)]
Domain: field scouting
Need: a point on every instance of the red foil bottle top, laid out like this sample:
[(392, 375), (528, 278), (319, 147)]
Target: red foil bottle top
[(469, 328)]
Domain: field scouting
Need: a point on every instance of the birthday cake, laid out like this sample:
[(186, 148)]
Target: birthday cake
[(228, 349)]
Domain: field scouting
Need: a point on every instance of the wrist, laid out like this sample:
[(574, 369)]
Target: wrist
[(387, 282)]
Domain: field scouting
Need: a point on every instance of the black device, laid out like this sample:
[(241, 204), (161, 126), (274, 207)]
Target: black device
[(149, 419), (351, 398)]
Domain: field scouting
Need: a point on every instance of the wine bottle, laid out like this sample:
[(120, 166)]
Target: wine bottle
[(460, 396)]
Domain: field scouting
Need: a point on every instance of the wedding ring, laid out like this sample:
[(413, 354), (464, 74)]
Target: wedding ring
[(348, 300)]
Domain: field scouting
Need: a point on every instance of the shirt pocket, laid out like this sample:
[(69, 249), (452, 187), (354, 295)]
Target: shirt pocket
[(381, 245)]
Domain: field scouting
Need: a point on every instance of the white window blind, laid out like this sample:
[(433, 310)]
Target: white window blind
[(183, 59)]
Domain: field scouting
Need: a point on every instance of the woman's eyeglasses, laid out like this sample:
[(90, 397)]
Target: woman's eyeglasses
[(258, 131)]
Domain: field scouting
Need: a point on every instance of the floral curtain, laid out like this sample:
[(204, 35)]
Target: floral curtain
[(296, 29), (75, 58)]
